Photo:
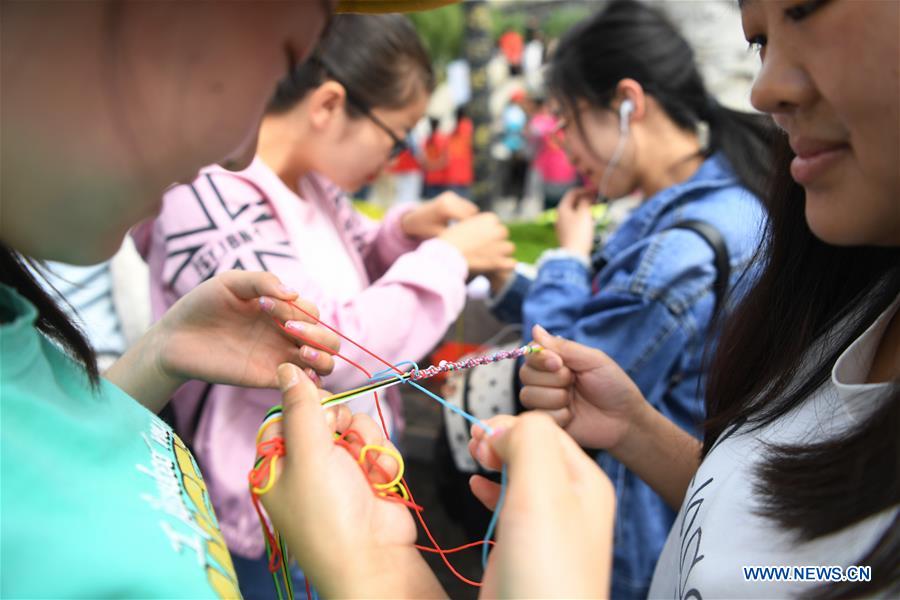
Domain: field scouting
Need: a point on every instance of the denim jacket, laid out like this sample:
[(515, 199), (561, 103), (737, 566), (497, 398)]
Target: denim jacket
[(649, 308)]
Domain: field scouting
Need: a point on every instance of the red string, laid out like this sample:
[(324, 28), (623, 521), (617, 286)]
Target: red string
[(411, 503)]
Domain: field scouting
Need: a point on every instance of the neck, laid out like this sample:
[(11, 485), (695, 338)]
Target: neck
[(668, 156), (886, 362), (281, 149)]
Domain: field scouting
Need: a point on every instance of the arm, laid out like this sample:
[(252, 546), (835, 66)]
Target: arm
[(509, 289)]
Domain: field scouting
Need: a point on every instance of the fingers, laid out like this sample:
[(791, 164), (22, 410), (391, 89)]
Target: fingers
[(533, 451), (576, 198), (300, 319), (454, 206), (478, 447), (576, 357), (312, 354), (545, 368), (545, 398), (487, 491), (306, 430), (371, 433), (248, 285)]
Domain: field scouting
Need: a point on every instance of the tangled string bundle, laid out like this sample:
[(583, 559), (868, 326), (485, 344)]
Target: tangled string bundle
[(393, 489)]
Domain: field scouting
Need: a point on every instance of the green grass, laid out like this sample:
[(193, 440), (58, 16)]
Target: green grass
[(530, 237)]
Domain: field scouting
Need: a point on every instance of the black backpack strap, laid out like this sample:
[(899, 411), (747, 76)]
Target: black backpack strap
[(715, 240)]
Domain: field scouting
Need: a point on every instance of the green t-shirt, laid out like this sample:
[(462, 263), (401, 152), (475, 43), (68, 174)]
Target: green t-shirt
[(98, 498)]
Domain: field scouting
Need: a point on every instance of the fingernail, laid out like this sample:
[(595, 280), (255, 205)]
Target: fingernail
[(313, 376), (310, 353), (541, 329), (266, 303), (295, 325), (554, 364), (497, 432), (288, 376), (287, 290), (329, 418)]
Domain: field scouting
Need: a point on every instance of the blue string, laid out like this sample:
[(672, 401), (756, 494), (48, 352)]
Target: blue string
[(485, 547), (494, 517), (459, 411)]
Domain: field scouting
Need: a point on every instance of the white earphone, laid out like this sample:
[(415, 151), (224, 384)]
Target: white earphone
[(625, 110)]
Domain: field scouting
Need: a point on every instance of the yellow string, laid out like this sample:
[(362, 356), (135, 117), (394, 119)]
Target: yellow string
[(265, 426), (265, 489), (393, 454)]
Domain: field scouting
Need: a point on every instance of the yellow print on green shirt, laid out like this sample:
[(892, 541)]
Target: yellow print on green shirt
[(182, 494)]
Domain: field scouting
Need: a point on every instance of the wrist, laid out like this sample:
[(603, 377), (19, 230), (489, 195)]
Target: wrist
[(161, 368), (143, 374), (579, 249), (500, 280), (640, 427)]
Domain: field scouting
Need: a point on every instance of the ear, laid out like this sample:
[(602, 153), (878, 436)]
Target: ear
[(631, 90), (326, 104)]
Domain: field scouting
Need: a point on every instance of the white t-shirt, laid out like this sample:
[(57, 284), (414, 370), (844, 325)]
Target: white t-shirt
[(719, 529)]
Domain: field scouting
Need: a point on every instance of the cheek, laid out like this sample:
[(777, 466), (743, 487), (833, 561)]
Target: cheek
[(350, 164)]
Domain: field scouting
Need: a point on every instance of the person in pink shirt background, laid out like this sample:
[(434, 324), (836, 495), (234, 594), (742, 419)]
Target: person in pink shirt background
[(556, 173), (394, 287)]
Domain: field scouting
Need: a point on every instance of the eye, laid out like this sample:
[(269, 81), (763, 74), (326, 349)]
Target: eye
[(798, 12)]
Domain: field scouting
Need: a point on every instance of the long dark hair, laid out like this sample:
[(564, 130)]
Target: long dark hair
[(379, 58), (629, 39), (779, 346), (51, 320)]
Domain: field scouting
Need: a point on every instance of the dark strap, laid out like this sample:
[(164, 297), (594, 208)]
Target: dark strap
[(715, 240)]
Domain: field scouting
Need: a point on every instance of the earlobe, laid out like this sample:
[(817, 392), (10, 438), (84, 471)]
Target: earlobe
[(633, 92), (325, 103)]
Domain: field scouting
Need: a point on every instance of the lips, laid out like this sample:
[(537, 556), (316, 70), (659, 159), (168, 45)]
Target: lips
[(815, 158)]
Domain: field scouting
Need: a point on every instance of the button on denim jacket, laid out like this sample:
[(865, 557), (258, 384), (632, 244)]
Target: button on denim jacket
[(649, 308)]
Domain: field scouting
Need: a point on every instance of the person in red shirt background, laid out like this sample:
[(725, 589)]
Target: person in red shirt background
[(435, 159), (460, 171)]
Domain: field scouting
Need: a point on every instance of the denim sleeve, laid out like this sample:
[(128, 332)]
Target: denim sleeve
[(556, 297), (507, 307), (641, 333)]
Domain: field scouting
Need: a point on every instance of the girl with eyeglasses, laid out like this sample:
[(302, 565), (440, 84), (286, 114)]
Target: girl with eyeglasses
[(394, 287)]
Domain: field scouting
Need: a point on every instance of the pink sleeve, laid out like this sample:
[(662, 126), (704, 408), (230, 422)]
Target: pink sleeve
[(402, 315), (389, 243)]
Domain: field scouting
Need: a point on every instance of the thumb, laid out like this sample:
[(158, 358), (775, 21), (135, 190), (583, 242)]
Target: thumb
[(305, 427), (574, 355)]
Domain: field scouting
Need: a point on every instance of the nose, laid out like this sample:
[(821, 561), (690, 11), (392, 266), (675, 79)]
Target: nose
[(782, 84)]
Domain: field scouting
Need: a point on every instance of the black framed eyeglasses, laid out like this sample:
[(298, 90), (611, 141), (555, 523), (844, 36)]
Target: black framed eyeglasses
[(399, 144)]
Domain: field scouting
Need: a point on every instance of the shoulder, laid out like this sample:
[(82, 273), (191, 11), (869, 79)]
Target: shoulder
[(214, 197), (735, 212), (216, 187)]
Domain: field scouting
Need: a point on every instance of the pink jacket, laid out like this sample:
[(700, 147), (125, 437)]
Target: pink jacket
[(370, 281)]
